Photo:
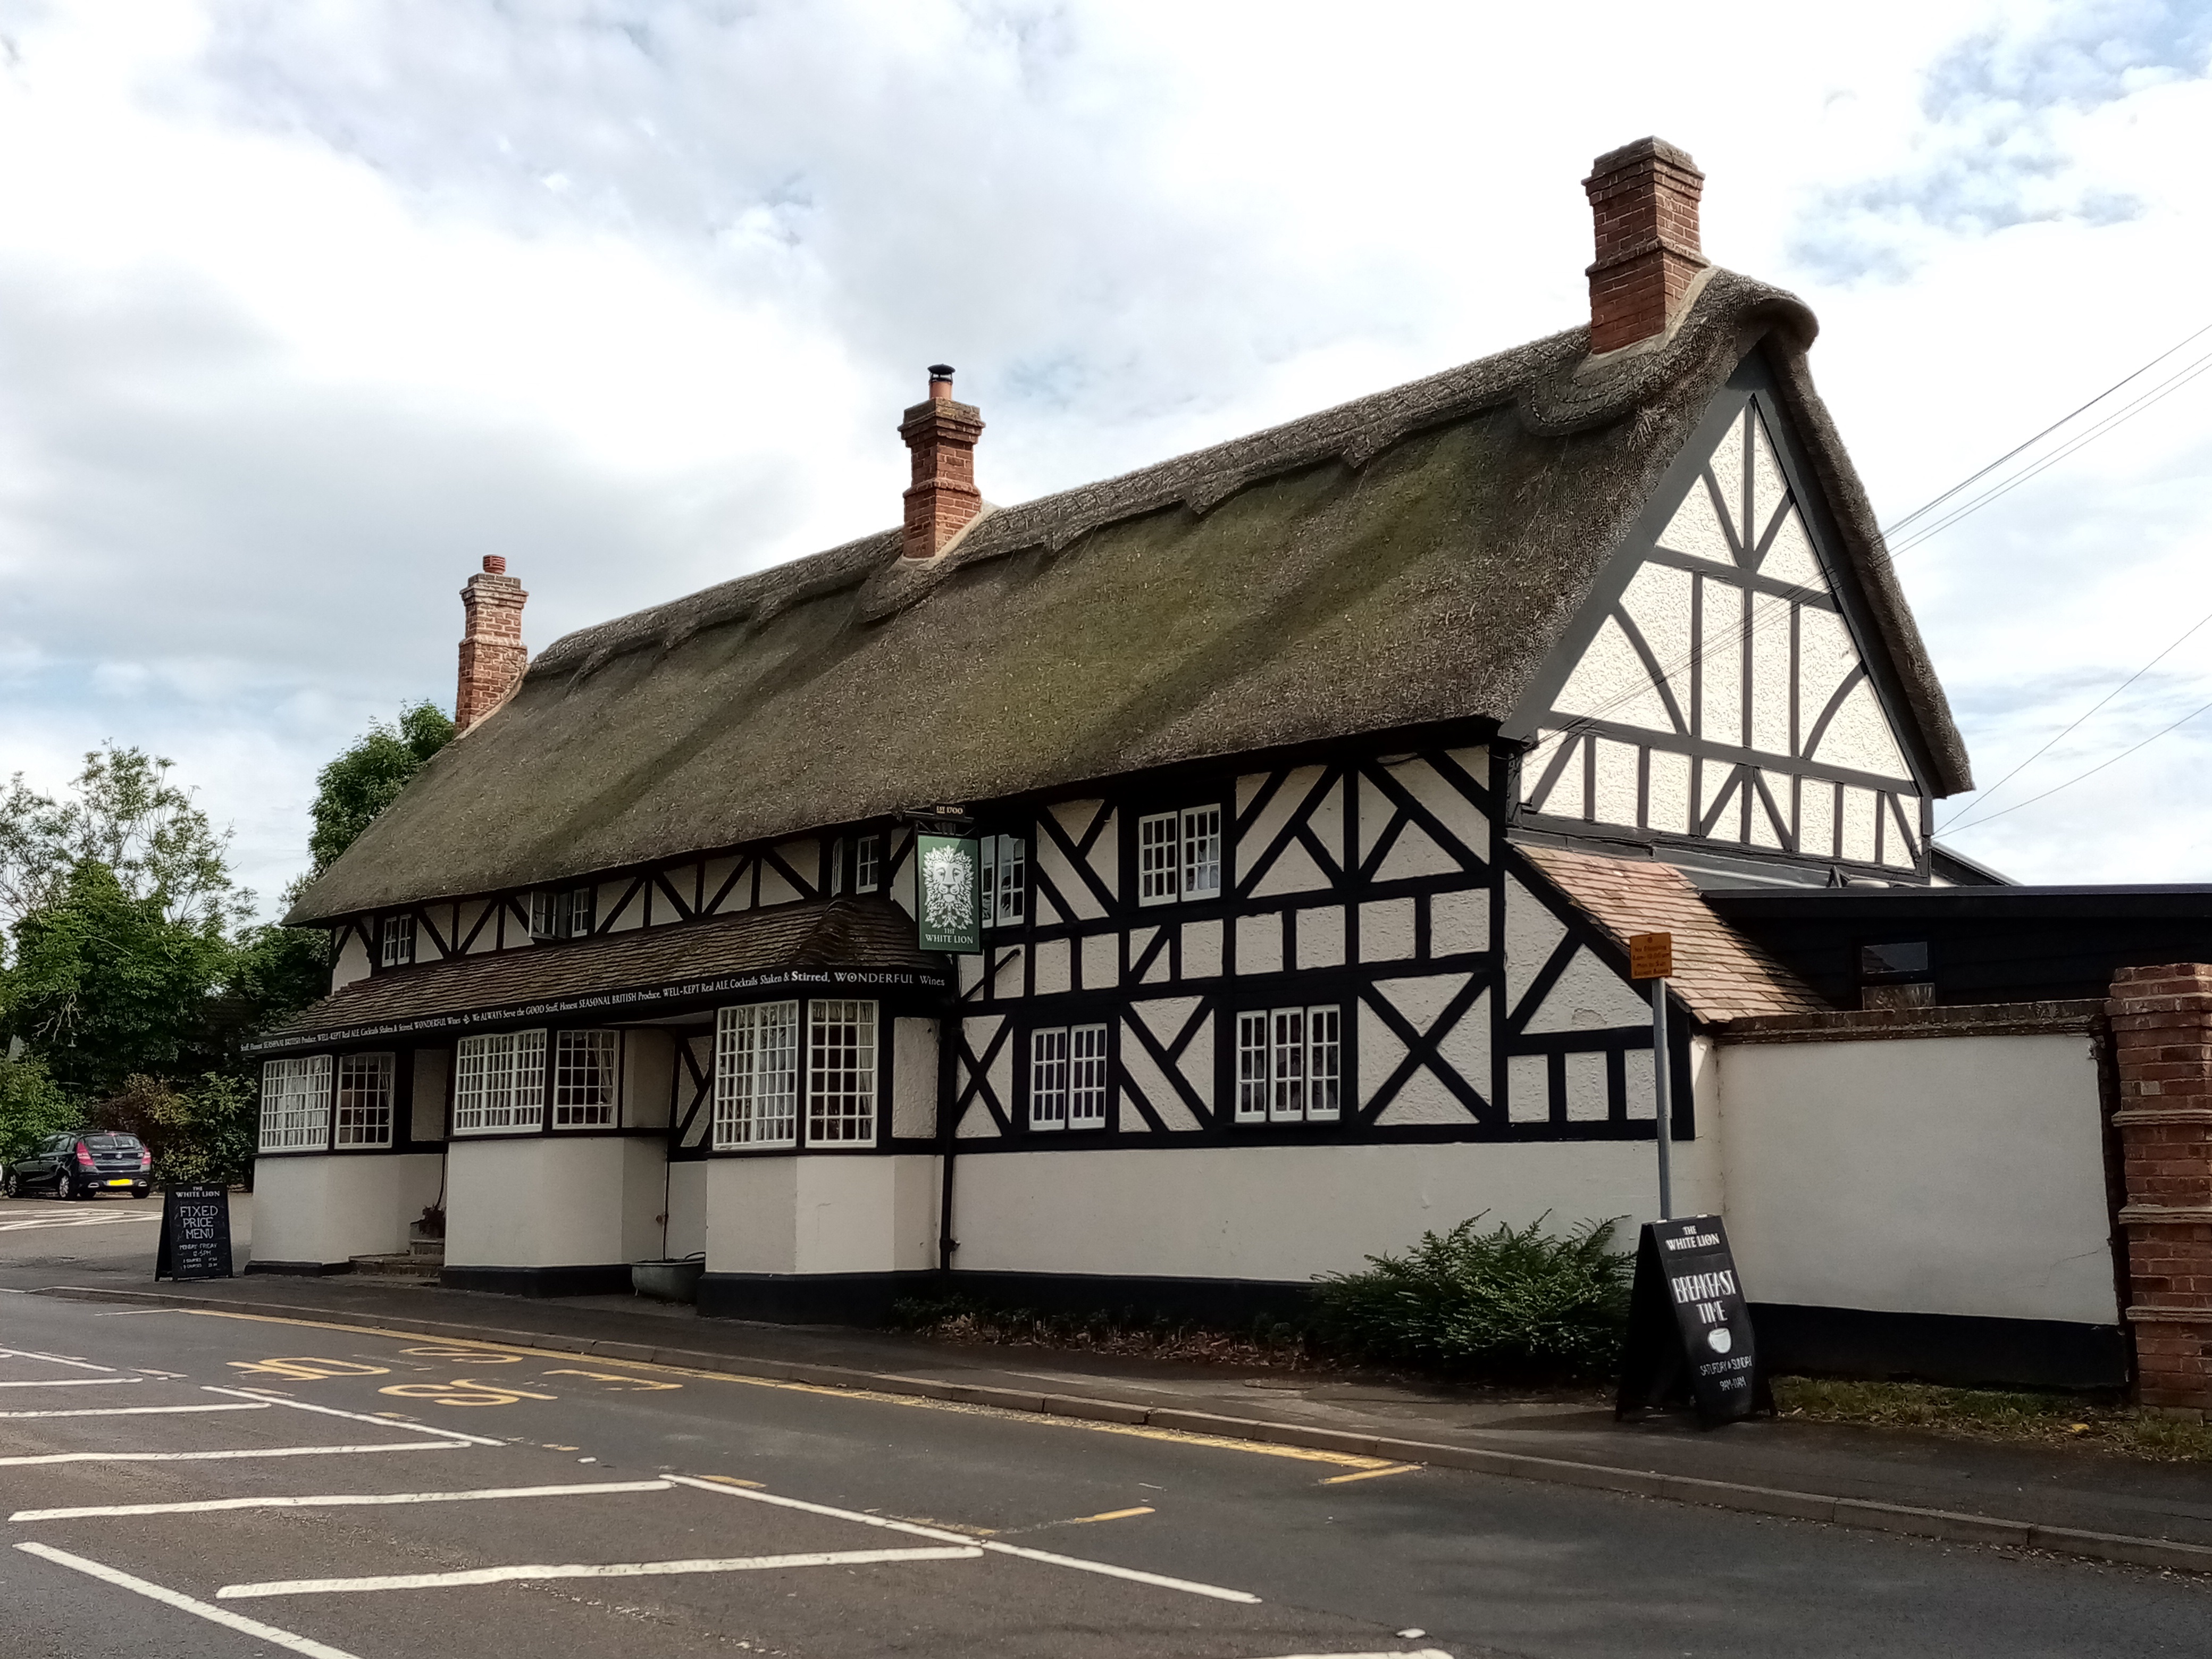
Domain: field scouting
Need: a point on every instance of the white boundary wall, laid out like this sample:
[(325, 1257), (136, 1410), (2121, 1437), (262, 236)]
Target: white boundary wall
[(1288, 1212), (1939, 1175), (334, 1206)]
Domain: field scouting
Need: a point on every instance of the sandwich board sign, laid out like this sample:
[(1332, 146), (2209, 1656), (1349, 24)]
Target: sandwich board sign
[(1689, 1328), (948, 894), (195, 1234)]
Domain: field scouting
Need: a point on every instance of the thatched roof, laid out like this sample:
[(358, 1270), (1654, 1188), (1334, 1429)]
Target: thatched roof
[(1405, 559)]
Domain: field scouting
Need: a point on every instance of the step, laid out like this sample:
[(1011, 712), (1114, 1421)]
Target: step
[(428, 1250)]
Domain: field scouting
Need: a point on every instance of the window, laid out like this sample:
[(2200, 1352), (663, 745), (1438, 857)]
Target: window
[(586, 1064), (364, 1098), (757, 1075), (841, 1072), (867, 863), (1179, 856), (567, 914), (398, 940), (499, 1083), (1005, 880), (1290, 1065), (1067, 1077), (295, 1104)]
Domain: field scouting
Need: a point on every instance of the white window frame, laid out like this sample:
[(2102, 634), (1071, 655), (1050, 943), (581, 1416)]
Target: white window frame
[(1202, 852), (1068, 1077), (867, 864), (295, 1104), (554, 911), (1290, 1065), (1159, 858), (587, 1079), (1179, 856), (1005, 880), (396, 946), (757, 1076), (499, 1084), (841, 1072), (363, 1099)]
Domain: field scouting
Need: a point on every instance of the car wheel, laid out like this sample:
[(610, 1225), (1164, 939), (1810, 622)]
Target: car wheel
[(9, 1186), (65, 1189)]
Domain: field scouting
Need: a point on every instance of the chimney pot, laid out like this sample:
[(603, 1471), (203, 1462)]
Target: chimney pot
[(1643, 204), (493, 655), (943, 499)]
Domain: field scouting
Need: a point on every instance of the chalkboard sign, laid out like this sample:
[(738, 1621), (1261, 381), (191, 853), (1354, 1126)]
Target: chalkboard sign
[(194, 1233), (1689, 1330)]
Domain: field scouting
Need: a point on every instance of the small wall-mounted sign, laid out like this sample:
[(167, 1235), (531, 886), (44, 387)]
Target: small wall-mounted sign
[(948, 894), (1689, 1328), (1652, 956), (195, 1234)]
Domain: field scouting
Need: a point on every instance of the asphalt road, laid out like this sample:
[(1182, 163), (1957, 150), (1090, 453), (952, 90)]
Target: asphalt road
[(536, 1505)]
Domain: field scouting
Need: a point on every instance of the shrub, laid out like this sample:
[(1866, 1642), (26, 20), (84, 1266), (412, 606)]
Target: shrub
[(1509, 1300)]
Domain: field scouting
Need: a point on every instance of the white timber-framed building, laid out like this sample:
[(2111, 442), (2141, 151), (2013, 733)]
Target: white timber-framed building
[(1321, 776)]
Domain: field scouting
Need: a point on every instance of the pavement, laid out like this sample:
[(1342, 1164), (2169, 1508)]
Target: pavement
[(1344, 1542)]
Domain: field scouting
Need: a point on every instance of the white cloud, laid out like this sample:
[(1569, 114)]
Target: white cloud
[(308, 306)]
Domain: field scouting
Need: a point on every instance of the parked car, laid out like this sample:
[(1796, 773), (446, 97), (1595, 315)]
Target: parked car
[(82, 1166)]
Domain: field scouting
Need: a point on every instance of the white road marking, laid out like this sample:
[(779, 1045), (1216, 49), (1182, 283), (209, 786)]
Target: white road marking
[(271, 1396), (336, 1499), (254, 1628), (74, 1221), (1394, 1653), (588, 1570), (139, 1410), (213, 1456), (55, 1359), (996, 1547), (69, 1381)]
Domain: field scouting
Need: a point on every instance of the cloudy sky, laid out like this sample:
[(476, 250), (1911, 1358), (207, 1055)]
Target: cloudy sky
[(306, 305)]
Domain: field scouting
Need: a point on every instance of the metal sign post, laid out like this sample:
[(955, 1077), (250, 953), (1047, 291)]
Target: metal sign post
[(1652, 956)]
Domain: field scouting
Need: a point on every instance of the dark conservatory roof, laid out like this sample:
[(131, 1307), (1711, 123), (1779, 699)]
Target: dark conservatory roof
[(1409, 558), (637, 975)]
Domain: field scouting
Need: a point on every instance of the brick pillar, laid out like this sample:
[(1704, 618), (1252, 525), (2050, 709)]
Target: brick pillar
[(942, 435), (493, 655), (1644, 205), (2162, 1041)]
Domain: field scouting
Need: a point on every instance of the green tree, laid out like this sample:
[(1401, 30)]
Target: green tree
[(105, 983), (369, 776), (123, 813), (197, 1133), (32, 1106)]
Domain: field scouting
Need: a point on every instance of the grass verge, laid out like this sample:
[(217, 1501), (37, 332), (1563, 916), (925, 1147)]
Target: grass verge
[(1996, 1415)]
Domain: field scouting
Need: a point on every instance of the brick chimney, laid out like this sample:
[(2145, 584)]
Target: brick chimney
[(493, 655), (942, 435), (1643, 198)]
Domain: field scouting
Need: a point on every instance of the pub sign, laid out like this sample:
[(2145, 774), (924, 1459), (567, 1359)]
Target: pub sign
[(950, 893)]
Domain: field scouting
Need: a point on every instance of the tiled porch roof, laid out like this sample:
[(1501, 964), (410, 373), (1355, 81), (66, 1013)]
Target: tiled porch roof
[(862, 942)]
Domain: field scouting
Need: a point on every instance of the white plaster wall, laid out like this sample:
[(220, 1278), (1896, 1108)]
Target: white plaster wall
[(1944, 1176), (333, 1207), (553, 1201), (807, 1214), (425, 1116), (1287, 1212), (352, 963), (687, 1208), (648, 1084)]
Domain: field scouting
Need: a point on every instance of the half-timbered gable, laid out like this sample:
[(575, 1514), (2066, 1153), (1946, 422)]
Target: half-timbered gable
[(1274, 760), (1725, 682)]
